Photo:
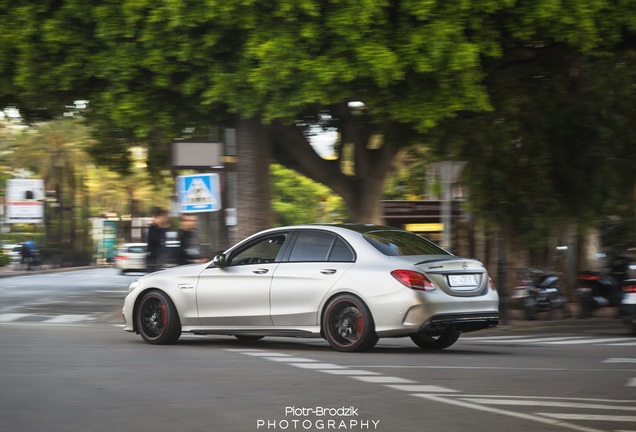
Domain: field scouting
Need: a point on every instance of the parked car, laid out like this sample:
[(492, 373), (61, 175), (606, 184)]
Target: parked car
[(131, 257), (350, 284), (14, 251)]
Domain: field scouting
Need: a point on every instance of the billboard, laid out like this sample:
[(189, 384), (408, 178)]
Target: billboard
[(25, 201)]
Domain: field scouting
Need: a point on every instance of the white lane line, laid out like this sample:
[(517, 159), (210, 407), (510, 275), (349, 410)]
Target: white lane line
[(11, 317), (539, 340), (529, 417), (589, 341), (290, 359), (631, 382), (509, 402), (620, 360), (349, 372), (623, 344), (65, 319), (421, 388), (267, 354), (491, 338), (383, 379), (317, 365), (593, 417)]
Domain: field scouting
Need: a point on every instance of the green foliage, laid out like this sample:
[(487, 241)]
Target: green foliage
[(560, 144), (545, 145), (299, 200)]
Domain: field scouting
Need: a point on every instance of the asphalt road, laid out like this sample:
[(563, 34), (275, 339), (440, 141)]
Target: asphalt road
[(59, 372)]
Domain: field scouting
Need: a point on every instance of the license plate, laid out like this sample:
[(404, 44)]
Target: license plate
[(629, 298), (463, 280)]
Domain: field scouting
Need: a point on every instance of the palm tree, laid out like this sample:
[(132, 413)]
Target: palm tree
[(56, 151)]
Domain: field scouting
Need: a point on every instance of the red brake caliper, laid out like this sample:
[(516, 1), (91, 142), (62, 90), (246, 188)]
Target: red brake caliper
[(360, 324), (164, 316)]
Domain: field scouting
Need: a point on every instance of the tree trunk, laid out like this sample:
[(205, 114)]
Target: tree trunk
[(362, 191), (254, 157)]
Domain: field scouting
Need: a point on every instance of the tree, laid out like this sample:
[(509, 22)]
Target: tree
[(56, 151), (299, 200), (278, 66)]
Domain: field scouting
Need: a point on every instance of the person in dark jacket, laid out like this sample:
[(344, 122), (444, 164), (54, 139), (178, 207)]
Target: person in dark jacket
[(157, 241), (189, 247)]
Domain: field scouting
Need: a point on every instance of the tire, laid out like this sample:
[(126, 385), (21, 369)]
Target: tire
[(248, 338), (436, 342), (348, 326), (157, 319)]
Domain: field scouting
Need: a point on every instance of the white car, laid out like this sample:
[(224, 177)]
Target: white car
[(131, 257), (350, 284)]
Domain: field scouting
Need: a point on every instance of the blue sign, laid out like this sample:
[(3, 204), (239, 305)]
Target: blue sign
[(198, 193)]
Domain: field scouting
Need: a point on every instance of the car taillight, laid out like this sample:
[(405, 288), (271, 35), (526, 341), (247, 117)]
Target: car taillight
[(413, 280), (629, 288), (491, 284), (121, 257)]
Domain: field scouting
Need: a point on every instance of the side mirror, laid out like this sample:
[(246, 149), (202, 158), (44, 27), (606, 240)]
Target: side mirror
[(219, 260)]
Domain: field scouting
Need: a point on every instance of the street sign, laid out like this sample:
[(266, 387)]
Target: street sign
[(25, 201), (198, 193)]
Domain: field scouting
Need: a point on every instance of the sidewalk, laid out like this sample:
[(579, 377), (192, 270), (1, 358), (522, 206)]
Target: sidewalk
[(12, 270)]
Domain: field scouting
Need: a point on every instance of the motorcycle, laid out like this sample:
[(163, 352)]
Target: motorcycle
[(597, 290), (540, 291)]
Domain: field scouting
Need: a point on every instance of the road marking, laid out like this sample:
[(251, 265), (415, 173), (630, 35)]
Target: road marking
[(421, 388), (590, 341), (349, 372), (290, 359), (631, 382), (594, 417), (11, 317), (69, 319), (620, 360), (544, 403), (317, 365), (553, 340), (529, 417), (383, 379), (476, 402)]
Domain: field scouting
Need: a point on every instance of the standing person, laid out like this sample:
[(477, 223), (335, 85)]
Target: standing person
[(157, 240), (189, 247)]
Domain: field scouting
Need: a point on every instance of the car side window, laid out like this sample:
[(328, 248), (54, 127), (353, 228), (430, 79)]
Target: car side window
[(262, 251), (319, 246), (341, 252)]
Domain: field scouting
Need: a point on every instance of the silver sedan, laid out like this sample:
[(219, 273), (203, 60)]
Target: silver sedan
[(349, 284)]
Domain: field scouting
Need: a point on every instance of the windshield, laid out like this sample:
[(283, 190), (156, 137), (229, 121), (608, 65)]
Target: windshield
[(402, 243)]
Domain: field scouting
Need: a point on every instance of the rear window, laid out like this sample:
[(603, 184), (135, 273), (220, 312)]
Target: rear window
[(402, 243)]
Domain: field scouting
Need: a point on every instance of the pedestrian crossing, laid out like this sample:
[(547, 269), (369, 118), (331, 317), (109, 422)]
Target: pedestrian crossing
[(555, 413), (550, 340), (26, 318)]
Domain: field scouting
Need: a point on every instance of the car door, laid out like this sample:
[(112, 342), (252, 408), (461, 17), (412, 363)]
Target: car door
[(238, 294), (317, 260)]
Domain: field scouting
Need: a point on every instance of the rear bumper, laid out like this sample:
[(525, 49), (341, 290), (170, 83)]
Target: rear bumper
[(463, 322)]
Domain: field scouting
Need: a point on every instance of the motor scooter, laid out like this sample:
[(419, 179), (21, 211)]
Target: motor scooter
[(596, 290), (540, 291)]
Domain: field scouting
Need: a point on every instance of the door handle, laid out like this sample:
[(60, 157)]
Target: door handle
[(328, 271), (260, 271)]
